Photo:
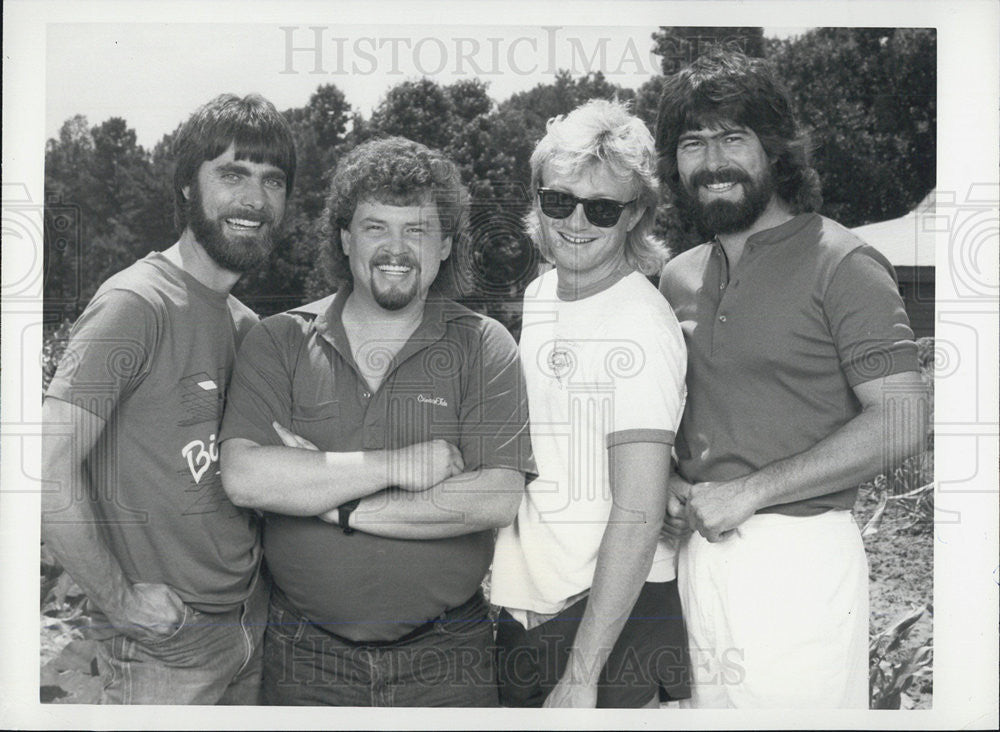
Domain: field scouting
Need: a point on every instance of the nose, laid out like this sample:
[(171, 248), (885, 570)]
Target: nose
[(715, 156), (578, 219), (395, 242), (252, 194)]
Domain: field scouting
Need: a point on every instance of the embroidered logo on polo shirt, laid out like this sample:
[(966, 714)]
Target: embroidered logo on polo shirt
[(436, 401)]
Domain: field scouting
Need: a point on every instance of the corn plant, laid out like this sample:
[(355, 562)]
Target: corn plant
[(888, 679)]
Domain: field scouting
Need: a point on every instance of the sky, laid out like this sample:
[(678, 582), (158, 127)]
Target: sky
[(155, 74)]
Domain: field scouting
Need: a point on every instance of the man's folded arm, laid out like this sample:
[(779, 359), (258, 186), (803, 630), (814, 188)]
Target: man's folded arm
[(295, 481), (466, 503)]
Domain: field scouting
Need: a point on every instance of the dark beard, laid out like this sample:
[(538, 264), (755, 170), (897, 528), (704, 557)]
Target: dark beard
[(236, 255), (725, 217)]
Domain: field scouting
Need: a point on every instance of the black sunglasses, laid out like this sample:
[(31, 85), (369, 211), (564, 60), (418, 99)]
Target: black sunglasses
[(602, 212)]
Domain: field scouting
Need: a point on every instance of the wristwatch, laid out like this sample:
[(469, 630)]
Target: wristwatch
[(344, 514)]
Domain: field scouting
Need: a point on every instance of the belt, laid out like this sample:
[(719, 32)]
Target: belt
[(459, 612)]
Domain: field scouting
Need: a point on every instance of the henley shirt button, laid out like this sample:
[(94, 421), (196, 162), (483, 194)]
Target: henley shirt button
[(722, 286), (722, 318), (366, 394)]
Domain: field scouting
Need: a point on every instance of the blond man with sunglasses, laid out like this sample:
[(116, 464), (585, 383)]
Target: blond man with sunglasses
[(591, 613)]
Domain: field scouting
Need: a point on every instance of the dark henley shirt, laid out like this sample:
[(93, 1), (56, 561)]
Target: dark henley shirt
[(776, 344)]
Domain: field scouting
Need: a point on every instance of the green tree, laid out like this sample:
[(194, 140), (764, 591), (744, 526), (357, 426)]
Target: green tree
[(419, 110), (875, 138), (680, 45)]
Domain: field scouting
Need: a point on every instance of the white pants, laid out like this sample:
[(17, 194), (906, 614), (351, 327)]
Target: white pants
[(777, 614)]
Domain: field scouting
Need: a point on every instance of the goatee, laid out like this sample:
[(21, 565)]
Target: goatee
[(395, 297)]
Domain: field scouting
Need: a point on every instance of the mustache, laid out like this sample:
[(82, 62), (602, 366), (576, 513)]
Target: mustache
[(404, 260), (258, 216), (725, 175)]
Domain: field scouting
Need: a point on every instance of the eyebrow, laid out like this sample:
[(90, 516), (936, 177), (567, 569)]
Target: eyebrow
[(378, 220), (697, 135), (242, 169)]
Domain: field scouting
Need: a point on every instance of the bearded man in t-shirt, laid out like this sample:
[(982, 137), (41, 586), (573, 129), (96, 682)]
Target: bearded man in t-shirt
[(137, 514)]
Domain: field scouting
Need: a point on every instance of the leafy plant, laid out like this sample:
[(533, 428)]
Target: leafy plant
[(889, 679)]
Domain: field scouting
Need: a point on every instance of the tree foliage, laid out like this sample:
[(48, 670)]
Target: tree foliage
[(867, 95)]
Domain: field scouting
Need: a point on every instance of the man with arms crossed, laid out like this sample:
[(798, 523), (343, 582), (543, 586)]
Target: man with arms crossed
[(592, 616), (802, 382), (137, 514), (379, 540)]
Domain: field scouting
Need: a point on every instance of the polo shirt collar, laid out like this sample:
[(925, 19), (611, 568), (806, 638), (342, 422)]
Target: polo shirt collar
[(438, 311)]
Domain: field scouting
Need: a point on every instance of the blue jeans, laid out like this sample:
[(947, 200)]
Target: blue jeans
[(450, 665), (212, 658)]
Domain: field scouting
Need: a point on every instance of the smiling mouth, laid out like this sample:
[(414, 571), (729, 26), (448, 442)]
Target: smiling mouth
[(244, 224), (394, 270), (577, 240), (719, 187)]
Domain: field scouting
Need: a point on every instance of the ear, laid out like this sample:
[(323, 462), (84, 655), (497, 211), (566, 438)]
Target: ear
[(635, 216), (445, 248), (345, 241)]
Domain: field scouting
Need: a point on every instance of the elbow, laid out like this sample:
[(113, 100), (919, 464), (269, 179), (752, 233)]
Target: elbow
[(503, 510), (235, 466)]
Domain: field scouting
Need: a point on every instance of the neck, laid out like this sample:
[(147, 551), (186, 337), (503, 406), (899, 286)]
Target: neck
[(575, 285), (191, 257), (776, 213), (365, 311)]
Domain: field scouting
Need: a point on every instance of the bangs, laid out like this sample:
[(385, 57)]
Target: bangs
[(256, 145), (709, 116), (253, 145)]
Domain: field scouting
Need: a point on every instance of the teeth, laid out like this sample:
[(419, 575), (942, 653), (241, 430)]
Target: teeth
[(393, 269), (719, 187), (576, 239), (245, 223)]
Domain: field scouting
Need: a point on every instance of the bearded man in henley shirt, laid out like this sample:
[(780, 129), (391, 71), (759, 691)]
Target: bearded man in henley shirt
[(802, 382)]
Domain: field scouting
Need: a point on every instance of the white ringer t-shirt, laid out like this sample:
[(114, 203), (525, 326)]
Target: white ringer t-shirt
[(604, 370)]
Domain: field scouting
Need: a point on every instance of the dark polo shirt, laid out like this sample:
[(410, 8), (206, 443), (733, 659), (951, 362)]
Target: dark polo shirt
[(776, 344), (457, 378)]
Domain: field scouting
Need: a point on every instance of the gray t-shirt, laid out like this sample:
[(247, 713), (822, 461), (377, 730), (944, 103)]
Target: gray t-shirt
[(152, 355)]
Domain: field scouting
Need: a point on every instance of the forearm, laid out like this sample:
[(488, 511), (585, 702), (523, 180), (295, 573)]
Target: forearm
[(462, 504), (877, 439), (623, 563), (299, 482), (70, 531), (639, 485)]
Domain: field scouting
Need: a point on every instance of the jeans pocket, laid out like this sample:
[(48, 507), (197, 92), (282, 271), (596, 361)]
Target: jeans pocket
[(171, 636), (283, 624), (468, 623)]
